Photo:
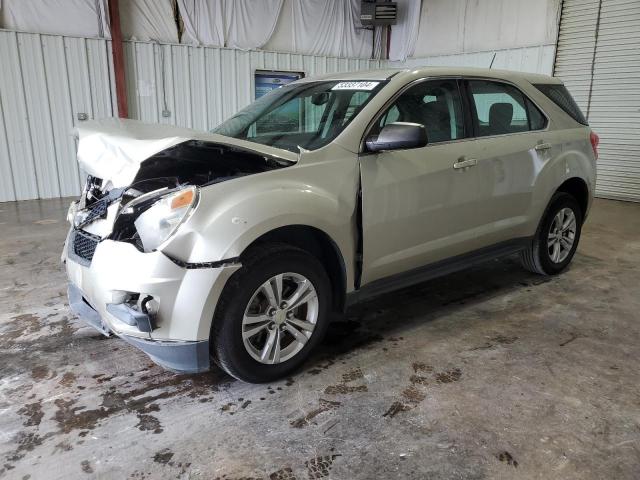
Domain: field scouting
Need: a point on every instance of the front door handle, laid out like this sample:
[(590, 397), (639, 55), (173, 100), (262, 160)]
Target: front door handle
[(465, 163), (542, 146)]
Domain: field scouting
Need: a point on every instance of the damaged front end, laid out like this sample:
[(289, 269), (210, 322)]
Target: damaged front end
[(162, 193), (120, 280)]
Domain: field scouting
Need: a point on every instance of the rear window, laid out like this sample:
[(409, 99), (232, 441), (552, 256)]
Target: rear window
[(561, 97), (501, 109)]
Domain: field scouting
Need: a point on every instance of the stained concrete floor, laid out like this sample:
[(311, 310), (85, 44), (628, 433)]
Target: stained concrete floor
[(488, 373)]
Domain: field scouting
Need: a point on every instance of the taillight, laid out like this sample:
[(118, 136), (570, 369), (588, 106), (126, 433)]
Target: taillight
[(595, 140)]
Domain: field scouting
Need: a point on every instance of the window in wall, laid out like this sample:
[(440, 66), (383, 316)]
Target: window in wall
[(286, 118), (266, 80), (435, 104), (502, 109)]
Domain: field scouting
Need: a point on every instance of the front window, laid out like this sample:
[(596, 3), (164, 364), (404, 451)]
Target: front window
[(436, 104), (306, 115)]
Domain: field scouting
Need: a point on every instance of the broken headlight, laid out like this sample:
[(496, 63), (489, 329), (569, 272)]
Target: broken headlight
[(158, 222)]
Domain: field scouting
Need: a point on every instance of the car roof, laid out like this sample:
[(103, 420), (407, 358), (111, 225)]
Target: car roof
[(384, 74)]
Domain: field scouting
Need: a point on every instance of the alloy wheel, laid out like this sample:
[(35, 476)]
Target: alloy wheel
[(562, 235), (280, 318)]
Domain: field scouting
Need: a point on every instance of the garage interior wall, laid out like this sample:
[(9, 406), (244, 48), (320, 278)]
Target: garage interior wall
[(520, 33), (51, 80), (599, 62), (192, 85), (59, 80)]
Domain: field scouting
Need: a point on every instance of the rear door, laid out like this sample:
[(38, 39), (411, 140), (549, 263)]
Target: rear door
[(511, 146)]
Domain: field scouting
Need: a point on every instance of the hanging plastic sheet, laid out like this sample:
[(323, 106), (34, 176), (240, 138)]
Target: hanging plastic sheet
[(244, 24), (322, 27), (405, 33), (449, 27), (80, 18), (147, 20)]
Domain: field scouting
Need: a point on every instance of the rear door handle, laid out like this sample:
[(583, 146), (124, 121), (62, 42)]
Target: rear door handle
[(542, 146), (465, 163)]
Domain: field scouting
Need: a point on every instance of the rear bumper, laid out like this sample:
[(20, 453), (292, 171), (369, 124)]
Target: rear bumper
[(176, 334)]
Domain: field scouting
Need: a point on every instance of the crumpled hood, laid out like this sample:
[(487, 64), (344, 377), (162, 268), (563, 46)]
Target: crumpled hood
[(113, 149)]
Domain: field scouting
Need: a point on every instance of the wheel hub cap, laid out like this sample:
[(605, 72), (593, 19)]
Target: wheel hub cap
[(280, 318)]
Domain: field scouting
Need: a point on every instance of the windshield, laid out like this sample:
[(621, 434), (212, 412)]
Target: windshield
[(306, 115)]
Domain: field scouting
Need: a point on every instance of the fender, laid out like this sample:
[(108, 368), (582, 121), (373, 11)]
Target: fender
[(232, 215)]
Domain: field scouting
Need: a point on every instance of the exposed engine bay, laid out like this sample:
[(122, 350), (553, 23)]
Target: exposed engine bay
[(192, 163)]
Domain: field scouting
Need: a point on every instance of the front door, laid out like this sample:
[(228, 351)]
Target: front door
[(420, 205)]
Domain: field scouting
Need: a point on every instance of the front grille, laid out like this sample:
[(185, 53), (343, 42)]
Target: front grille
[(97, 210), (84, 244)]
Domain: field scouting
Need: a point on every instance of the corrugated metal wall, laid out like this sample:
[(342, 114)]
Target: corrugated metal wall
[(576, 45), (194, 84), (47, 80), (599, 62), (614, 108), (537, 59)]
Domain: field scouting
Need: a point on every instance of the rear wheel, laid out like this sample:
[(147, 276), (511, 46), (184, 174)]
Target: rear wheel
[(557, 237), (271, 314)]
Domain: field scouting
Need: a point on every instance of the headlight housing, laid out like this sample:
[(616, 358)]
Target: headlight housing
[(157, 223)]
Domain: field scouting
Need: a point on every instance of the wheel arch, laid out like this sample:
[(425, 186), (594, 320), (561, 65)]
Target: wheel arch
[(319, 244), (577, 188)]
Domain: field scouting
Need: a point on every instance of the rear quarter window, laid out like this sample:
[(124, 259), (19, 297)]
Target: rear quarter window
[(559, 95)]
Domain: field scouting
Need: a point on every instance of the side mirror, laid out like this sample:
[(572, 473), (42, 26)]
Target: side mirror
[(398, 135)]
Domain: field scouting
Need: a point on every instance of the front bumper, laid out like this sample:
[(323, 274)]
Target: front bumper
[(177, 336), (182, 357)]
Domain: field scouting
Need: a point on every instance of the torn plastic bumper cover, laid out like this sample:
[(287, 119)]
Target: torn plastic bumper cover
[(182, 357)]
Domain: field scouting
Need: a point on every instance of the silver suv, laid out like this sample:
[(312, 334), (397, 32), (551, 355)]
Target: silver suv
[(236, 245)]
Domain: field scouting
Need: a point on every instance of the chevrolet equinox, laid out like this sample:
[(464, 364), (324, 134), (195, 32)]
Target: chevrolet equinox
[(237, 245)]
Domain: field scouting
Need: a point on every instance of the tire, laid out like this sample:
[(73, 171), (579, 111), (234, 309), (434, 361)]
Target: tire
[(538, 257), (246, 290)]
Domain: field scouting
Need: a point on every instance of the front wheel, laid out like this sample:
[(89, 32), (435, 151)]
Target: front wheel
[(557, 237), (271, 314)]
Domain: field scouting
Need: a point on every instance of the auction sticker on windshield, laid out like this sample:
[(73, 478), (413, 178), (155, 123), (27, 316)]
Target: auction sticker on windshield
[(355, 86)]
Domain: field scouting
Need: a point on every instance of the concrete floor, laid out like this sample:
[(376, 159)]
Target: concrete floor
[(489, 373)]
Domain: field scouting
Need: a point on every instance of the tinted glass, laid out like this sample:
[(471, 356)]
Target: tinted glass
[(561, 97), (434, 104), (301, 115), (537, 121), (500, 108)]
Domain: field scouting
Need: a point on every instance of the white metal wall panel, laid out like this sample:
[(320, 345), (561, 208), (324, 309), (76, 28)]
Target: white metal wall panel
[(576, 45), (205, 85), (614, 111), (39, 116), (60, 109), (16, 119), (7, 192), (97, 52), (213, 69), (599, 62), (47, 81)]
